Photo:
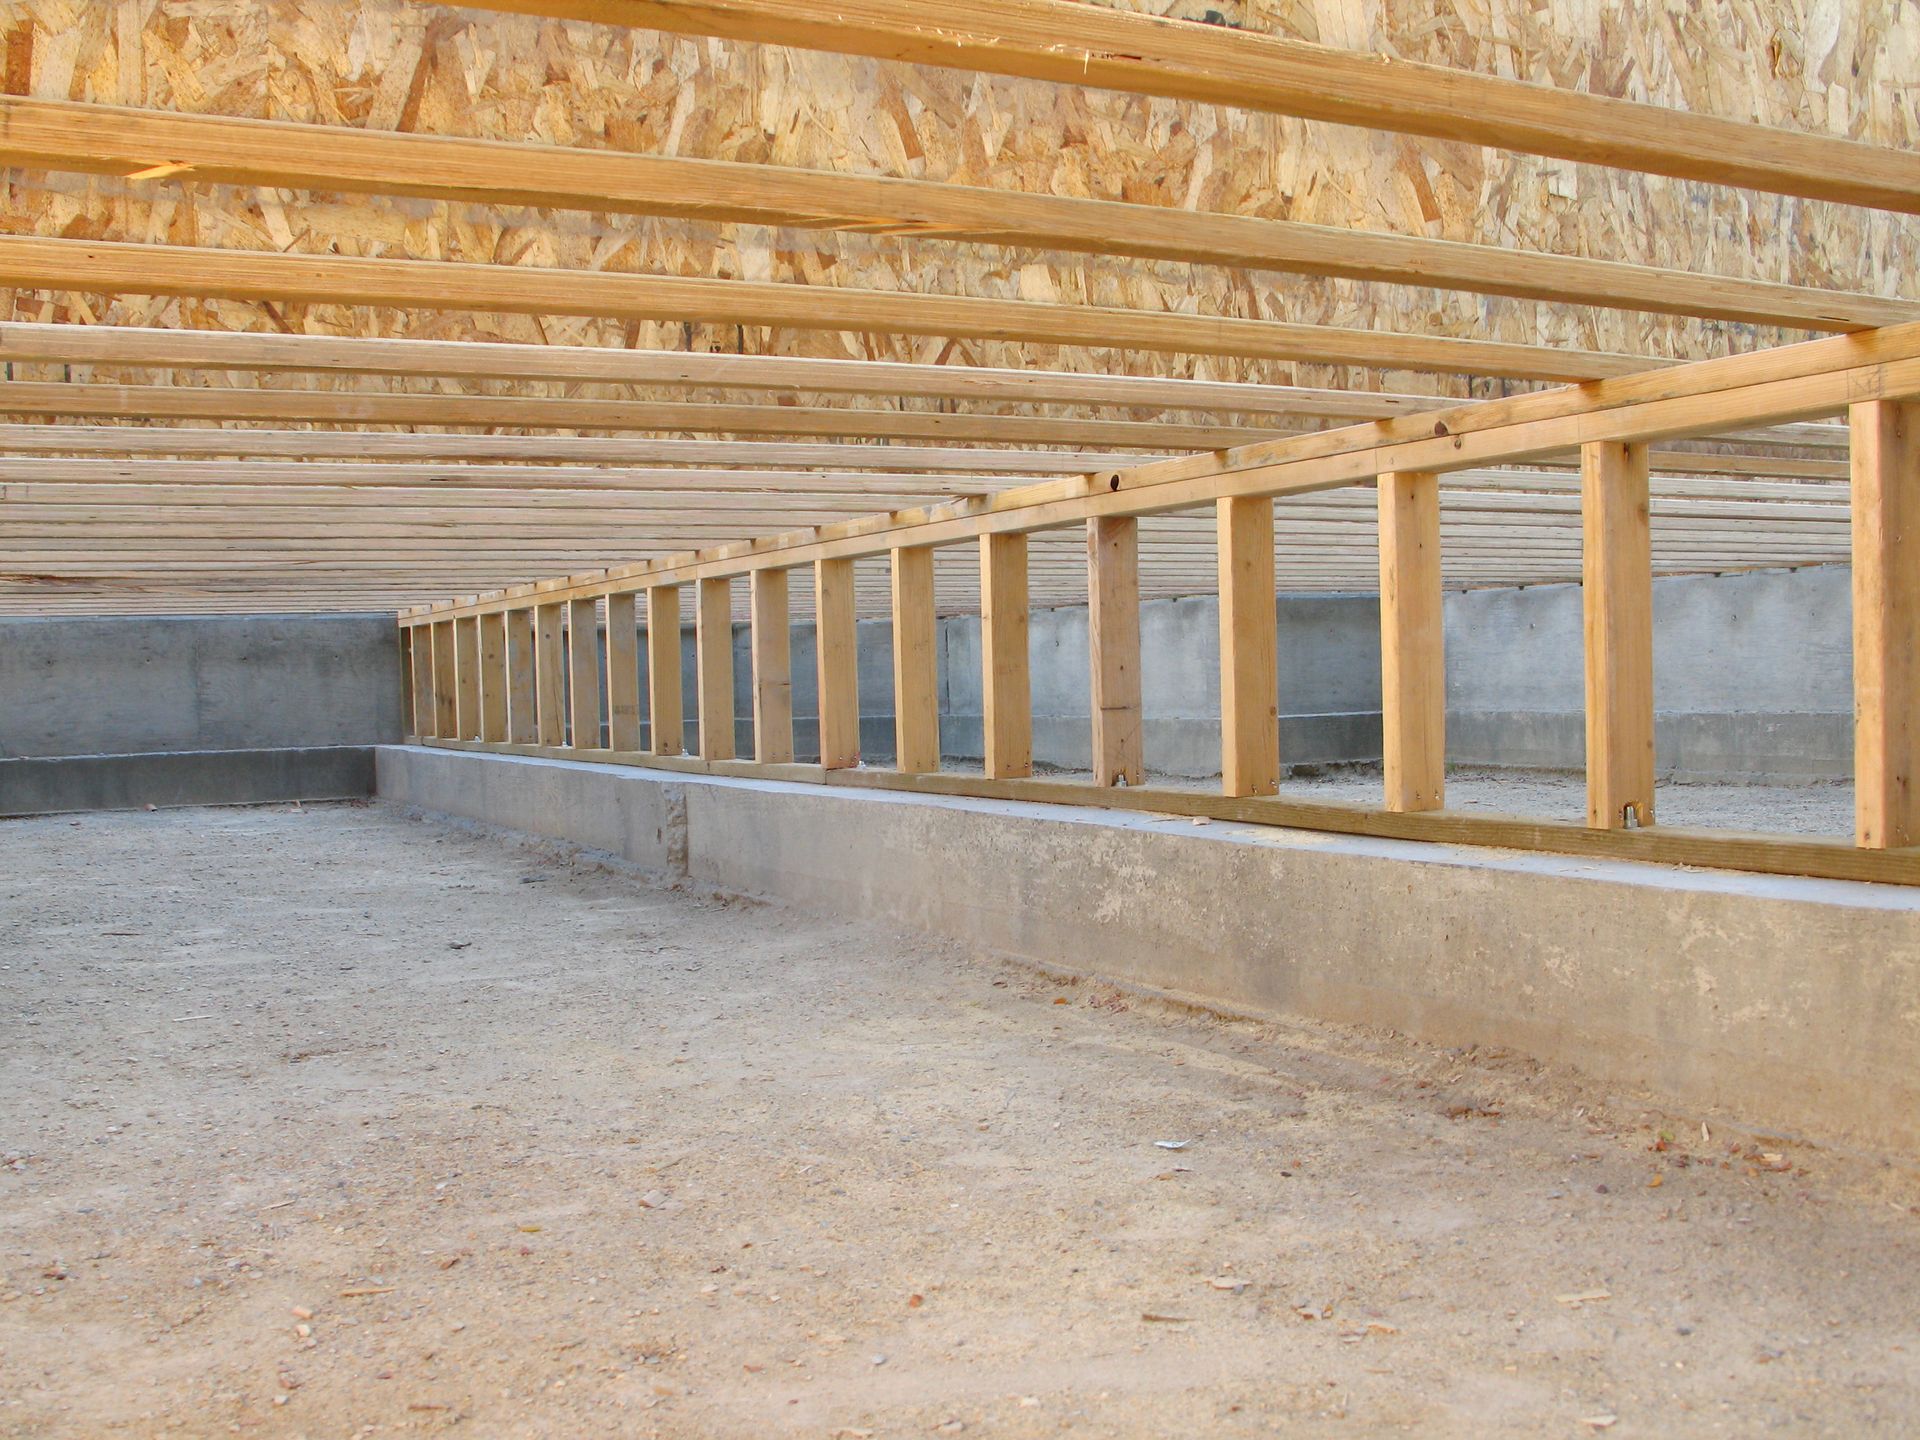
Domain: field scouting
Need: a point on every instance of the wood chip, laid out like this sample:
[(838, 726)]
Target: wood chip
[(359, 1290)]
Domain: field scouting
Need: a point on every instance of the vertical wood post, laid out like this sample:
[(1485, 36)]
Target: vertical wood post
[(836, 640), (772, 667), (663, 669), (407, 722), (583, 674), (422, 636), (493, 677), (1886, 623), (522, 718), (466, 665), (1006, 691), (1113, 649), (1249, 649), (623, 674), (548, 671), (1617, 590), (1413, 689), (713, 656), (916, 687)]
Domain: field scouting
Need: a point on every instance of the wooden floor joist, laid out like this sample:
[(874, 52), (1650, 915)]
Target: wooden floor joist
[(111, 268), (168, 149)]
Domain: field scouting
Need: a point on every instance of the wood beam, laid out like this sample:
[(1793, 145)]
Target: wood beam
[(423, 702), (583, 675), (446, 682), (1249, 649), (1006, 692), (836, 650), (466, 677), (1617, 597), (713, 655), (916, 683), (623, 673), (1092, 45), (772, 640), (667, 711), (549, 669), (202, 149), (493, 678), (523, 726), (93, 267), (1413, 688), (1113, 648), (1886, 623)]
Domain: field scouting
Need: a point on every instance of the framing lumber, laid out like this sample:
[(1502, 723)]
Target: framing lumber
[(522, 718), (713, 661), (1113, 647), (772, 642), (1617, 598), (466, 667), (200, 149), (493, 678), (837, 656), (583, 675), (623, 673), (666, 710), (445, 682), (1249, 649), (1006, 690), (1886, 623), (916, 684), (1413, 692), (549, 668), (1093, 45), (114, 268), (421, 650)]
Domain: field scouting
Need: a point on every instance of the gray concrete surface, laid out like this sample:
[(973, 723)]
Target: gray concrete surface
[(1788, 1004), (140, 684), (63, 784)]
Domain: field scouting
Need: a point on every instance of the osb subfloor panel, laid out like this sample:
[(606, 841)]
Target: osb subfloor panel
[(333, 1123)]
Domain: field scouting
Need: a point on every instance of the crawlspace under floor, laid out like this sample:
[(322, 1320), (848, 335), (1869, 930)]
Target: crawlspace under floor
[(329, 1122)]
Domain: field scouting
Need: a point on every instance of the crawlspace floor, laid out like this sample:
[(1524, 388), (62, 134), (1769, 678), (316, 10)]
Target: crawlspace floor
[(335, 1123)]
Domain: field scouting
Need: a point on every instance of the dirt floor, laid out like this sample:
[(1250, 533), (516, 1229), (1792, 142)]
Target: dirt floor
[(333, 1123)]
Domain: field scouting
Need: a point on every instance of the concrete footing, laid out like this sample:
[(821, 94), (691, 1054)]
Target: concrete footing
[(54, 785), (1793, 1005)]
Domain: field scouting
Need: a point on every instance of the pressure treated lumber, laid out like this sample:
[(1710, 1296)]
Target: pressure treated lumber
[(493, 678), (1413, 696), (522, 717), (1094, 45), (623, 673), (116, 268), (549, 666), (1249, 649), (916, 695), (1006, 691), (583, 675), (836, 650), (1617, 600), (772, 667), (1113, 647), (200, 149), (713, 660), (664, 703), (1886, 623)]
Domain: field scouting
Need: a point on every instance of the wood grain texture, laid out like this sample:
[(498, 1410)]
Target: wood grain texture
[(1617, 601), (837, 656), (1249, 649), (1413, 688), (1113, 647), (713, 658), (1886, 623), (623, 673), (916, 682), (772, 641), (665, 704)]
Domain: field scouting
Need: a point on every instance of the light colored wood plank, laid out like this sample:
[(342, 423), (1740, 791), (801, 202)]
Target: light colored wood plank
[(1413, 686), (423, 701), (445, 683), (916, 682), (772, 668), (623, 673), (1617, 597), (466, 666), (583, 675), (1078, 44), (836, 649), (1249, 649), (1006, 692), (1886, 623), (125, 268), (493, 678), (713, 656), (1113, 644), (523, 719), (549, 671), (664, 703)]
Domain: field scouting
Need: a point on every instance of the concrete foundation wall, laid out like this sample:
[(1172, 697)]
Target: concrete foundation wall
[(1793, 1005)]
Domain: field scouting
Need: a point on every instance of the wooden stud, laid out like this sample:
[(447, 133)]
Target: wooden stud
[(836, 646), (916, 684), (423, 707), (1886, 623), (445, 684), (493, 677), (663, 670), (583, 675), (466, 678), (1113, 646), (549, 672), (523, 724), (623, 673), (1249, 649), (1617, 591), (1006, 696), (772, 668), (405, 636), (1413, 692), (713, 663)]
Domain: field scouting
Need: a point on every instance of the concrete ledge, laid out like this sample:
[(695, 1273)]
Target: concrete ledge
[(1793, 1005), (59, 784)]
